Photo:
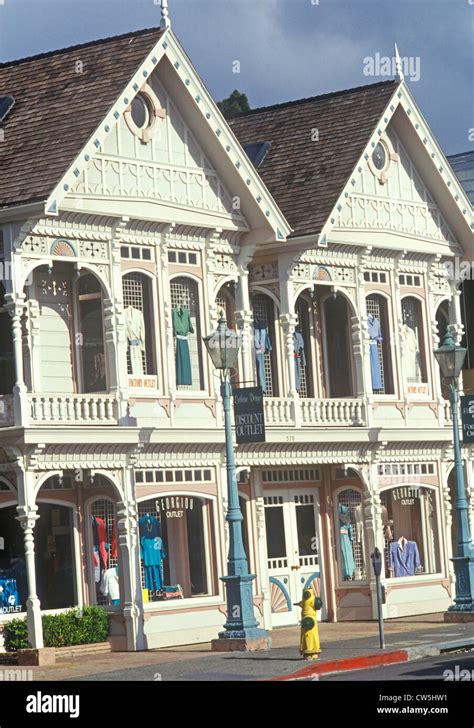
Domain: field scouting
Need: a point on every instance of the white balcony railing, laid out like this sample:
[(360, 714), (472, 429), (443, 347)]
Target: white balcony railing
[(332, 412), (281, 412), (73, 409)]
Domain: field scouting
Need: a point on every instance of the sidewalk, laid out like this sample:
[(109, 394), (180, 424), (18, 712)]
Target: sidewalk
[(340, 641)]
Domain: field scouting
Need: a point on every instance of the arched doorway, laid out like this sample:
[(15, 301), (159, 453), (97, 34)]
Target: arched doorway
[(338, 348)]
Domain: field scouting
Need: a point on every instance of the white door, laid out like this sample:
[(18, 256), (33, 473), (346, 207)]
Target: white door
[(292, 522), (55, 329)]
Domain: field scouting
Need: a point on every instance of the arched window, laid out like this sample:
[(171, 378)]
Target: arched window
[(302, 348), (410, 526), (225, 301), (351, 536), (265, 343), (338, 359), (138, 308), (412, 343), (91, 351), (177, 548), (187, 333), (7, 361), (379, 334)]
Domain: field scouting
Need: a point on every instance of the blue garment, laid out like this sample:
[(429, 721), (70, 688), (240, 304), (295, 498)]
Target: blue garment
[(403, 561), (300, 359), (346, 538), (152, 551), (262, 345), (8, 594), (375, 335)]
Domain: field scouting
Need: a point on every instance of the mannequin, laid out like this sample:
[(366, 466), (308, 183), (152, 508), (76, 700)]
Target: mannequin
[(411, 358), (375, 335), (262, 344), (346, 538), (300, 359), (135, 332), (182, 327), (359, 519)]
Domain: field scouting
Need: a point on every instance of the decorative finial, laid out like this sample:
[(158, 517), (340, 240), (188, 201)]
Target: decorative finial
[(398, 64), (165, 16)]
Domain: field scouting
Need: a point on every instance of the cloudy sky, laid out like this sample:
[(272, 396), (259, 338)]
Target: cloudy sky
[(287, 49)]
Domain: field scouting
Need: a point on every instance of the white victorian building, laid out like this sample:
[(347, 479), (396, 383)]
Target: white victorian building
[(131, 213)]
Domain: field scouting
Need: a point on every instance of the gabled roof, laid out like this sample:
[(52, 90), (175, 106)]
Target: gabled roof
[(315, 145), (58, 105)]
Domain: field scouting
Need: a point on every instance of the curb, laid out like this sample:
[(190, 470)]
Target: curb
[(377, 659)]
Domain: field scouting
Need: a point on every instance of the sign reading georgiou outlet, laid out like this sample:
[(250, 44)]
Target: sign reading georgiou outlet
[(248, 415), (39, 703)]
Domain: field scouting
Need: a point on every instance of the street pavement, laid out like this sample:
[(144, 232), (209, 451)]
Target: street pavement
[(198, 662), (428, 668)]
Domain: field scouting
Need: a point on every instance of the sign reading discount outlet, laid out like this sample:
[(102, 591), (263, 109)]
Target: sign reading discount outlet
[(248, 415)]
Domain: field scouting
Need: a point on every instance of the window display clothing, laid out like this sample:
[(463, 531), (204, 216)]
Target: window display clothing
[(109, 585), (300, 359), (346, 538), (359, 519), (135, 332), (403, 557), (100, 541), (152, 551), (182, 327), (411, 357), (375, 335), (262, 344), (8, 593)]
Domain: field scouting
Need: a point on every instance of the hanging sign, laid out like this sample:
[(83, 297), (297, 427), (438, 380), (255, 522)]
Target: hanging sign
[(467, 414), (249, 416)]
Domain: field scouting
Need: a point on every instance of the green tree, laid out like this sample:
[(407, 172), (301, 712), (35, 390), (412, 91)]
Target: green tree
[(236, 103)]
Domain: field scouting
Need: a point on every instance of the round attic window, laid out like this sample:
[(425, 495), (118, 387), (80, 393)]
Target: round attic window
[(140, 112), (379, 157), (144, 114)]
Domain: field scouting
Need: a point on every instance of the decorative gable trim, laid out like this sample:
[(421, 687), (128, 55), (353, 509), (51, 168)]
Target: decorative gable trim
[(403, 97), (169, 45)]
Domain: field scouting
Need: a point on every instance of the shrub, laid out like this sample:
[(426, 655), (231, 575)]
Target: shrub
[(74, 627)]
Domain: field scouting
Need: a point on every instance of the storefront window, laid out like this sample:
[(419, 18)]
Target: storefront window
[(138, 307), (351, 536), (176, 547), (105, 552), (187, 333), (409, 522), (92, 344), (55, 578)]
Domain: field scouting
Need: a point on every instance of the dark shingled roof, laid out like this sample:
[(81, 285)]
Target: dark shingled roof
[(306, 177), (57, 109)]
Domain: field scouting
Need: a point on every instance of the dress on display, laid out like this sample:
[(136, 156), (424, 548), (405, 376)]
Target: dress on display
[(262, 344), (182, 327), (410, 354), (300, 359), (135, 332), (152, 552), (346, 538), (100, 541), (375, 335)]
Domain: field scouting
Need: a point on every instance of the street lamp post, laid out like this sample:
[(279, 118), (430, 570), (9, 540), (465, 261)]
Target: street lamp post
[(450, 357), (241, 627)]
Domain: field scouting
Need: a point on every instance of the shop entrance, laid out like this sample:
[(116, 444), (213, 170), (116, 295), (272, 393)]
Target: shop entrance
[(292, 524)]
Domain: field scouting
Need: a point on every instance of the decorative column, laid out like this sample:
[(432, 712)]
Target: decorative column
[(127, 533), (27, 517), (244, 320), (15, 305), (372, 509)]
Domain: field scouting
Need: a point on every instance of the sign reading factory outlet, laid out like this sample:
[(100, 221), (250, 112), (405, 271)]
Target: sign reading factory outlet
[(248, 415), (467, 414)]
